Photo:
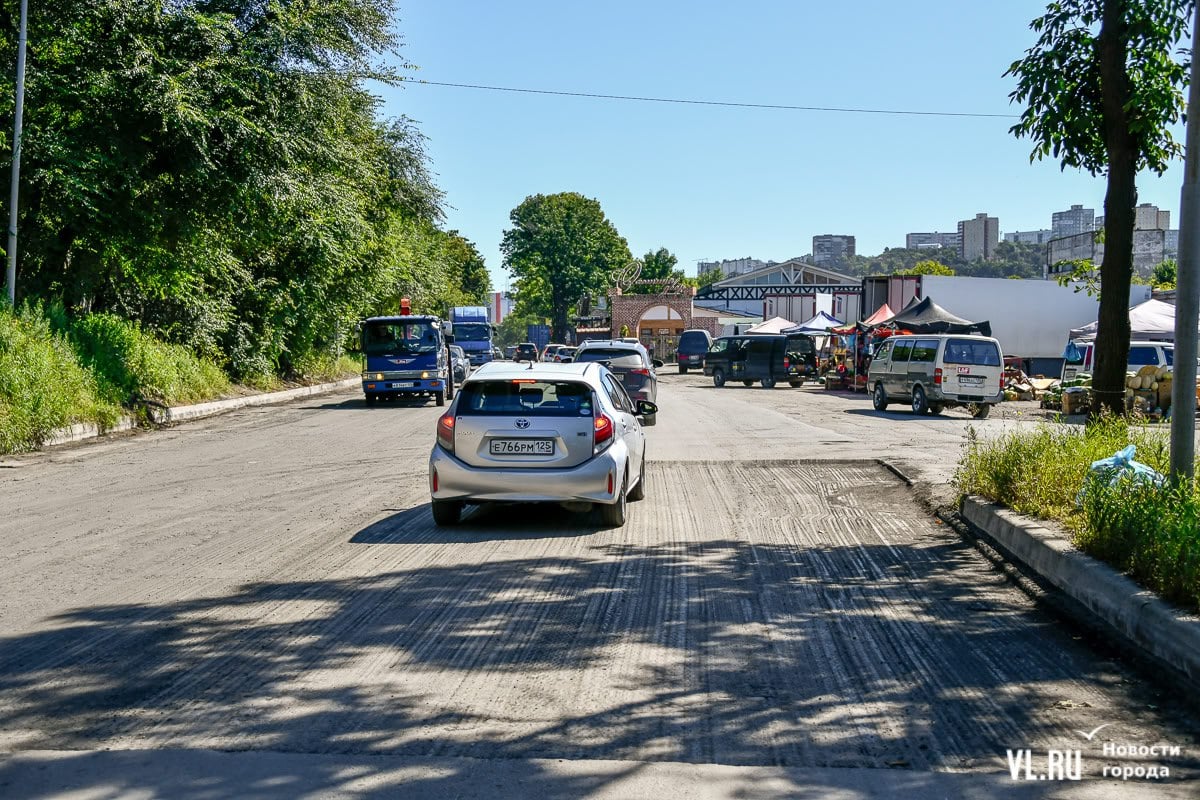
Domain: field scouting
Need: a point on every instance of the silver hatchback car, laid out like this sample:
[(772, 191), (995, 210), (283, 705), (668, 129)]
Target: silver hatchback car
[(540, 433)]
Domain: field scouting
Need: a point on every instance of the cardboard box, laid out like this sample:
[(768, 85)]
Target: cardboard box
[(1076, 400)]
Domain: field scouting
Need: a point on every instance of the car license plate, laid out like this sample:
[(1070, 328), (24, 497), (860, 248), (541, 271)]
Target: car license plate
[(970, 380), (402, 385), (522, 447)]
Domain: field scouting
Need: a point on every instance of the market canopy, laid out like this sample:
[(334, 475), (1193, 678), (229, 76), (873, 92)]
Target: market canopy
[(1152, 320), (773, 325), (882, 314), (819, 325), (922, 315)]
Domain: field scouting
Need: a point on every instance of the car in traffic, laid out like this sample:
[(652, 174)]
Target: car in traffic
[(526, 351), (510, 351), (691, 350), (766, 358), (460, 363), (546, 433), (565, 355), (549, 351), (628, 361), (931, 372)]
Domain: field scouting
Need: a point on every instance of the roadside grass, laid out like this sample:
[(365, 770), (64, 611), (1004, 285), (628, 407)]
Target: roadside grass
[(43, 385), (1150, 532), (131, 365)]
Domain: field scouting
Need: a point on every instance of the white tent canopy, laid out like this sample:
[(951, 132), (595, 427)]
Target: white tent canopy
[(818, 325), (1152, 321), (773, 325)]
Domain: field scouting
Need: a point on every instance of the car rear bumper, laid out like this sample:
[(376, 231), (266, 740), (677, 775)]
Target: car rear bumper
[(587, 482)]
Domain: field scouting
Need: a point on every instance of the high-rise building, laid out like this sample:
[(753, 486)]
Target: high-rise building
[(830, 248), (931, 241), (731, 266), (977, 238), (1076, 219), (1147, 217), (1029, 237)]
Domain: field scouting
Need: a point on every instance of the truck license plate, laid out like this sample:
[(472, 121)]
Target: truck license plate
[(402, 385), (970, 380), (522, 447)]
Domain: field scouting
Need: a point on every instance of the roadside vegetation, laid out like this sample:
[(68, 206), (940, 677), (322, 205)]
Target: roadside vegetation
[(1148, 531)]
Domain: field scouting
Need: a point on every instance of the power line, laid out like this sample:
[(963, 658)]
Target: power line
[(723, 103)]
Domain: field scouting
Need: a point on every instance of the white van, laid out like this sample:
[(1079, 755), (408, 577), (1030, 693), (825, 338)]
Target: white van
[(1158, 354), (937, 371)]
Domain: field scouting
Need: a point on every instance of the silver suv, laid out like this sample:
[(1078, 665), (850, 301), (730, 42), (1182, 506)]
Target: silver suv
[(540, 433)]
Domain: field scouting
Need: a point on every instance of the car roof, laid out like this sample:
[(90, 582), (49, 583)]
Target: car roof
[(612, 343), (536, 370)]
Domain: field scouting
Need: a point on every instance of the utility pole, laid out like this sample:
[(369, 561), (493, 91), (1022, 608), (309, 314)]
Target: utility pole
[(11, 278), (1187, 295)]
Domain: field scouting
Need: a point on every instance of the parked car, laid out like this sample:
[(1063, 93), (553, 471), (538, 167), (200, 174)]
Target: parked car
[(691, 350), (1158, 354), (549, 350), (630, 362), (526, 351), (459, 363), (559, 433), (565, 355), (765, 358), (932, 372)]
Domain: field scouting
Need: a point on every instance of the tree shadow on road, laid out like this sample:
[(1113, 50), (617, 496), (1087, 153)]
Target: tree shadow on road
[(823, 640)]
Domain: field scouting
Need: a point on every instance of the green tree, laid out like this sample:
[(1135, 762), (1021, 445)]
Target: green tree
[(706, 278), (513, 329), (1165, 274), (657, 265), (560, 248), (467, 270), (930, 267), (1101, 89), (218, 172)]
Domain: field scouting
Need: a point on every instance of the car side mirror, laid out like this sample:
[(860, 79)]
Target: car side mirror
[(646, 411), (658, 364)]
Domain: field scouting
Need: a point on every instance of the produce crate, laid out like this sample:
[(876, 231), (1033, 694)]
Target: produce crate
[(1076, 400)]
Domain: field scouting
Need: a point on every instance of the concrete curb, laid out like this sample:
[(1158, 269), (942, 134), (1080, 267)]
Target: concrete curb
[(1169, 635), (166, 416)]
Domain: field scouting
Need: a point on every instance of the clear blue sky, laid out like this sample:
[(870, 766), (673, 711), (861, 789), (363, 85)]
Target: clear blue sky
[(712, 182)]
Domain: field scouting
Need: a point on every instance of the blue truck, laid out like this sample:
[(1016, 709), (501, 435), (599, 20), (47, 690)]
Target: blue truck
[(406, 356), (472, 332)]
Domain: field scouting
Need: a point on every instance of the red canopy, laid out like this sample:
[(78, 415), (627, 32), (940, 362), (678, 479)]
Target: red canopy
[(882, 314)]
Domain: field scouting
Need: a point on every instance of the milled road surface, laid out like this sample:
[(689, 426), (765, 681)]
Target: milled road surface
[(260, 605)]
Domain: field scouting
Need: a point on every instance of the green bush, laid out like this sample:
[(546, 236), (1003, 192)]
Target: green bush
[(42, 384), (1148, 531), (132, 365)]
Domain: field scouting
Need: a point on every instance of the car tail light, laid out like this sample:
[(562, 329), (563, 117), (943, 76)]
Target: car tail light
[(787, 362), (435, 481), (645, 372), (445, 431), (610, 483), (937, 377), (603, 432)]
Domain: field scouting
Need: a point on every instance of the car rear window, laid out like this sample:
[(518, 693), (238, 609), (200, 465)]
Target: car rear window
[(967, 351), (618, 356), (693, 342), (525, 397)]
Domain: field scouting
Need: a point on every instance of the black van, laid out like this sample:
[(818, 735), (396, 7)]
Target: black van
[(693, 346), (768, 358)]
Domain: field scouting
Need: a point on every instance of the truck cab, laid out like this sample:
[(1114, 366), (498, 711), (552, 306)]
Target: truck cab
[(406, 356), (473, 333)]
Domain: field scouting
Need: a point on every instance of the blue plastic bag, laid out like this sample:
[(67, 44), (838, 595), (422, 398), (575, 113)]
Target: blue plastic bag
[(1117, 466)]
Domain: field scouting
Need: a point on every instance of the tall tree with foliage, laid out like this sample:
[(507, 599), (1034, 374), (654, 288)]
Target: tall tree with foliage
[(560, 248), (657, 265), (218, 171), (930, 267), (1100, 88)]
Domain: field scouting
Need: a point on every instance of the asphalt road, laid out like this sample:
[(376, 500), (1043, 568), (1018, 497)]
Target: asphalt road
[(260, 605)]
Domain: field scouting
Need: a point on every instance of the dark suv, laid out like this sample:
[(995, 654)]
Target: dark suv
[(693, 346), (765, 358), (526, 351), (629, 362)]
